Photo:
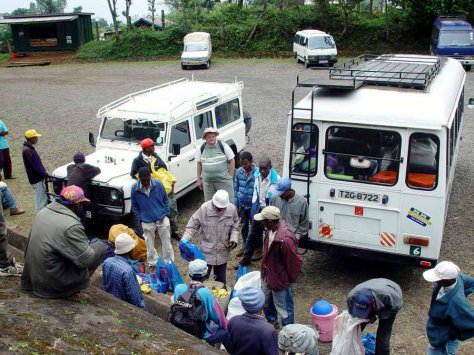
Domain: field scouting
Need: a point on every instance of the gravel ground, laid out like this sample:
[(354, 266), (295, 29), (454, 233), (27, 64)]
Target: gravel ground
[(61, 102)]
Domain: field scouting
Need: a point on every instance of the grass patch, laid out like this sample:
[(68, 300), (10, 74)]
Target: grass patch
[(4, 57)]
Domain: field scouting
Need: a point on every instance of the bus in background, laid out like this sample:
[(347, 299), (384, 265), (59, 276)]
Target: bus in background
[(373, 148)]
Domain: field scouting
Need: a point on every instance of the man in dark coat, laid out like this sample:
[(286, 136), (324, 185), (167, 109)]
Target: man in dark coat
[(80, 173)]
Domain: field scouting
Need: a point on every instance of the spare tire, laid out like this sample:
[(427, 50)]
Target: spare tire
[(247, 121)]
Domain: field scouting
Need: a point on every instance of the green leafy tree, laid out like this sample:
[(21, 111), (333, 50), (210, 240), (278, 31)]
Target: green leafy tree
[(49, 6), (5, 36), (20, 12), (77, 9)]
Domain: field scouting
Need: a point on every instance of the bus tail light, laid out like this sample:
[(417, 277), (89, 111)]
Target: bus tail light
[(425, 263), (421, 241)]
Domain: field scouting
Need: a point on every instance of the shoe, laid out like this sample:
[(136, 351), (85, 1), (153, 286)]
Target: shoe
[(152, 269), (78, 297), (12, 270), (257, 255), (240, 253), (16, 211)]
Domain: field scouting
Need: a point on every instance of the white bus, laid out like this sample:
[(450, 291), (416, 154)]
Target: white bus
[(373, 148)]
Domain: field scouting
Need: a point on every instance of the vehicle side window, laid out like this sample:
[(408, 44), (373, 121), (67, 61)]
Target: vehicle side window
[(296, 39), (303, 41), (201, 122), (227, 113), (180, 135), (303, 155), (362, 155), (423, 160)]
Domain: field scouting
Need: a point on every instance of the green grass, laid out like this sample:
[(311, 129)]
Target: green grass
[(4, 57)]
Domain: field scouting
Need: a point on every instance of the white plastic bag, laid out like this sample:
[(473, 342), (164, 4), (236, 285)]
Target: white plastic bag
[(347, 338), (250, 279)]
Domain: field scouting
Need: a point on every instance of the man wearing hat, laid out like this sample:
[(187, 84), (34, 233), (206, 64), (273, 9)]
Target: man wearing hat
[(293, 207), (149, 158), (80, 173), (281, 266), (217, 225), (216, 323), (59, 260), (377, 298), (215, 165), (451, 316), (118, 277), (250, 332), (35, 169)]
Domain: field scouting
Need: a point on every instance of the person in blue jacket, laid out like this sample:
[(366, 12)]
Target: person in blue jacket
[(244, 181), (451, 317)]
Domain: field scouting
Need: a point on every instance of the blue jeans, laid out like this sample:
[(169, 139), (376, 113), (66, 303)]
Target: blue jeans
[(41, 199), (450, 348), (7, 198), (220, 335), (278, 303)]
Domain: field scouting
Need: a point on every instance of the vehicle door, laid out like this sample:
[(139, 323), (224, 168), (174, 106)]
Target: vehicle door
[(182, 165)]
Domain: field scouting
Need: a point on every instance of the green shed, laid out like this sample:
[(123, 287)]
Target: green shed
[(50, 32)]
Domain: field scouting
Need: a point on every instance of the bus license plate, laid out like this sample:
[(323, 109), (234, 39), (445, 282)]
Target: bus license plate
[(359, 196)]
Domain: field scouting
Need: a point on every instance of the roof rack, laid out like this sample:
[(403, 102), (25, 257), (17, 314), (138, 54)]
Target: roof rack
[(452, 17)]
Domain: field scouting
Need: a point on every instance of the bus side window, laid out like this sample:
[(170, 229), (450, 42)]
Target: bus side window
[(423, 158), (303, 149)]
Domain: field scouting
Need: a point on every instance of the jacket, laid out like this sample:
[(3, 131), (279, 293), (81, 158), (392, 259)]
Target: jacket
[(215, 233), (150, 208), (281, 264), (294, 212), (243, 187), (138, 163), (251, 334), (451, 317), (137, 253), (274, 177), (33, 165), (58, 254), (81, 175)]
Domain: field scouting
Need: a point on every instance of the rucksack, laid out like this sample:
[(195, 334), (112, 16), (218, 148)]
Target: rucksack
[(221, 146), (188, 313)]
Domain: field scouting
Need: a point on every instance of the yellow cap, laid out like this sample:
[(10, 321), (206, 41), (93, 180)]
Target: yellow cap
[(31, 133)]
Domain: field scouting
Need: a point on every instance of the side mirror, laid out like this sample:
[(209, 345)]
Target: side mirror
[(176, 149), (91, 139)]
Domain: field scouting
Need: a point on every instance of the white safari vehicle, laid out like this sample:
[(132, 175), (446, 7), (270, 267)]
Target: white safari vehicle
[(197, 50), (373, 148), (175, 116)]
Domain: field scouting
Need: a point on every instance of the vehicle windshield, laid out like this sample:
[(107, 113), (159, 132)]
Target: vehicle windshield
[(456, 38), (321, 42), (133, 130), (195, 47)]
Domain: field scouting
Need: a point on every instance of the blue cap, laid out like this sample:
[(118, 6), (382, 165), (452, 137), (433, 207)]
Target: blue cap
[(362, 305), (283, 185), (252, 299)]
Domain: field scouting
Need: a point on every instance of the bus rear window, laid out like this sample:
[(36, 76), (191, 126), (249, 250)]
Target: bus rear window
[(304, 140), (362, 155), (423, 157)]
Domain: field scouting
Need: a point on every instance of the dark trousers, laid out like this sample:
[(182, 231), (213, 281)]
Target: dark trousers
[(245, 221), (220, 335), (384, 332), (254, 239), (219, 272), (6, 163)]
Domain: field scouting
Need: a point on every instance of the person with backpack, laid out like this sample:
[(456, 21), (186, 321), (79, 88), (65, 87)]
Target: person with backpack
[(196, 310), (281, 266), (215, 165)]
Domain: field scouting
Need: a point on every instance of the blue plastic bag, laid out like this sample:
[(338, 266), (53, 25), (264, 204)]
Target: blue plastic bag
[(369, 343), (167, 271), (190, 251), (155, 284), (241, 271)]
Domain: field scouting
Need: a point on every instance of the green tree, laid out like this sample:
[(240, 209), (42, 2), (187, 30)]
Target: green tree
[(50, 6), (20, 12), (5, 36), (77, 9)]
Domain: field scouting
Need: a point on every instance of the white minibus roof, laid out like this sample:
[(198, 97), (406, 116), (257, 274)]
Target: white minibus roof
[(390, 106), (310, 33)]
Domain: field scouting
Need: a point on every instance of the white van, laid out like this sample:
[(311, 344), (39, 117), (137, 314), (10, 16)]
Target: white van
[(175, 116), (197, 50), (314, 47), (373, 148)]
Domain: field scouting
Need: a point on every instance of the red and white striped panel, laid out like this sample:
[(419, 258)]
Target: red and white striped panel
[(387, 239), (326, 231)]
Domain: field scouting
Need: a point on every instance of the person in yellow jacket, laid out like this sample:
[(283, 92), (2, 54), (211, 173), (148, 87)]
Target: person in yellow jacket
[(137, 253), (147, 157)]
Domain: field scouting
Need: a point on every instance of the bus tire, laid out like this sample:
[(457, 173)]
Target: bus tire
[(247, 121), (467, 67)]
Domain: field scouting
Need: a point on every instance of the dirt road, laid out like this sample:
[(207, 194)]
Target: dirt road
[(61, 102)]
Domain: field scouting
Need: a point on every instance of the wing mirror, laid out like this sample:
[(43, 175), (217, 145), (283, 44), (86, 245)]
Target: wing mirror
[(91, 139)]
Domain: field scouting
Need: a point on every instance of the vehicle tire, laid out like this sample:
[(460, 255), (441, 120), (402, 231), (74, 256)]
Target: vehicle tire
[(306, 64), (183, 66), (295, 55), (331, 65), (208, 64), (297, 58), (247, 121), (467, 67)]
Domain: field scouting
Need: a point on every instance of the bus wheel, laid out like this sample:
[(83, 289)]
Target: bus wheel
[(467, 67)]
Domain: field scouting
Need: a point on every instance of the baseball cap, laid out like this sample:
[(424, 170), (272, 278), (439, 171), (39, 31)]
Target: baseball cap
[(445, 270), (147, 142), (210, 130), (362, 305), (72, 195), (271, 213), (283, 185), (197, 267), (124, 243), (31, 133), (221, 199), (79, 158)]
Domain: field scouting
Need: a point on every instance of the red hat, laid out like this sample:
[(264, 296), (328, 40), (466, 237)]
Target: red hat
[(147, 142), (72, 195)]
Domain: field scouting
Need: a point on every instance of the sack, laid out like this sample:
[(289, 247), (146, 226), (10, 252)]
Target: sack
[(369, 343), (250, 279), (189, 314), (347, 339), (166, 178), (190, 251), (167, 271)]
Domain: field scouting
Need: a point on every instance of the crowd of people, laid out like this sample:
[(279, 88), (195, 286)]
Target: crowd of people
[(252, 201)]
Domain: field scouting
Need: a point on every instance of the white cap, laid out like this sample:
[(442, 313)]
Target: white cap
[(124, 243), (197, 267), (221, 199), (445, 270), (271, 213)]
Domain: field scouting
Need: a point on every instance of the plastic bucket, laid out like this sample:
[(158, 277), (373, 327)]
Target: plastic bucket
[(324, 324)]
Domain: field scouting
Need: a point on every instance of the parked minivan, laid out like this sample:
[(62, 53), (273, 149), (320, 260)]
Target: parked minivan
[(453, 37), (314, 47), (197, 50)]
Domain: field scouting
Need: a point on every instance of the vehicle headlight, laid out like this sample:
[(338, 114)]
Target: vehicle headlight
[(114, 195)]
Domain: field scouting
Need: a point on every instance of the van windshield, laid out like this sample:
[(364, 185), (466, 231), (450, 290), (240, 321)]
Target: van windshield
[(195, 47), (321, 42), (132, 130), (456, 38)]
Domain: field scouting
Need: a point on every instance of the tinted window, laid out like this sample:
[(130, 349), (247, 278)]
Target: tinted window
[(227, 113), (201, 122), (180, 135), (304, 143), (423, 158)]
